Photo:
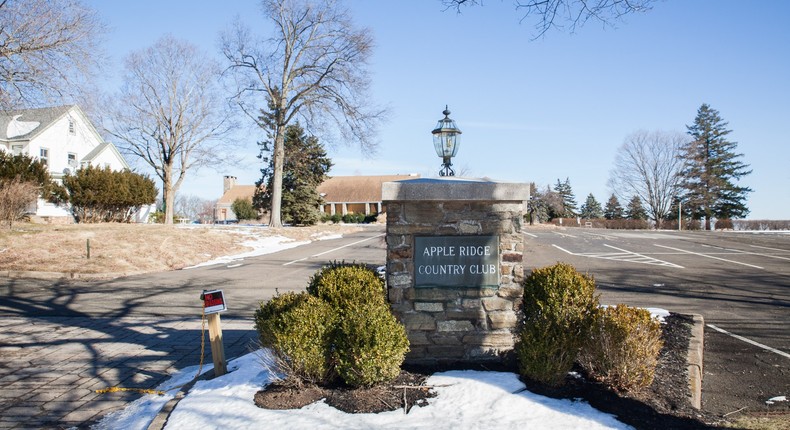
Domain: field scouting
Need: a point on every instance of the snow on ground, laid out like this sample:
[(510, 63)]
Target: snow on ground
[(260, 246), (466, 400)]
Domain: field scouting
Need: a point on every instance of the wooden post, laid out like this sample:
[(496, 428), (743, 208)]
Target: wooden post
[(88, 246), (217, 348)]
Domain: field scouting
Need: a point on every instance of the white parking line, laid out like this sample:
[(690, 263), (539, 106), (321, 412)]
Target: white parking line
[(530, 234), (739, 251), (623, 255), (333, 250), (772, 249), (757, 344), (645, 259), (707, 256), (564, 234)]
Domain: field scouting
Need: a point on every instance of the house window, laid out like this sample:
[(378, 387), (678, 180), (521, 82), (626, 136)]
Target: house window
[(72, 160), (17, 149), (43, 155), (106, 165), (71, 126)]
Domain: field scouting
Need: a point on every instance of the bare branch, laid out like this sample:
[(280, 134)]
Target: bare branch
[(170, 113), (48, 51), (313, 69), (556, 14), (647, 165)]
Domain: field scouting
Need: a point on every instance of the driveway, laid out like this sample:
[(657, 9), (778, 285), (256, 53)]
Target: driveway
[(61, 340)]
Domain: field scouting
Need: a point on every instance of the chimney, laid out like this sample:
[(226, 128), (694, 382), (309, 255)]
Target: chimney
[(228, 182)]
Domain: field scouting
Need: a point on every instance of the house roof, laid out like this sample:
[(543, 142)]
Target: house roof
[(237, 192), (106, 146), (338, 189), (356, 189), (25, 124)]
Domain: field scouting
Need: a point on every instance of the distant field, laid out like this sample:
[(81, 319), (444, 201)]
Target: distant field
[(129, 248)]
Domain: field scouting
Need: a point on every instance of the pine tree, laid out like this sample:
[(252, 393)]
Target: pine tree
[(711, 168), (568, 199), (613, 209), (635, 210), (306, 165), (591, 209)]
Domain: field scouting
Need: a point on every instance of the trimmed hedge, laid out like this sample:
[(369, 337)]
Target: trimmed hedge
[(342, 326), (344, 285), (299, 329), (622, 351), (559, 307), (370, 345)]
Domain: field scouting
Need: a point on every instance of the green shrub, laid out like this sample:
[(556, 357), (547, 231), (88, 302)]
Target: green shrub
[(298, 328), (353, 218), (559, 308), (370, 346), (244, 210), (341, 326), (344, 285), (101, 194), (622, 351), (24, 169)]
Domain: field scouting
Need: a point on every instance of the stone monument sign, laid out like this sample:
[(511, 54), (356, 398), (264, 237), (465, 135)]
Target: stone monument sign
[(454, 266)]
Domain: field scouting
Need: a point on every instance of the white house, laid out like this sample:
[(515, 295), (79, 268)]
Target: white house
[(63, 137)]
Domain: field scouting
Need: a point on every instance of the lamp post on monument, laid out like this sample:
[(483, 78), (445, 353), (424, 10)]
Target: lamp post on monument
[(446, 138)]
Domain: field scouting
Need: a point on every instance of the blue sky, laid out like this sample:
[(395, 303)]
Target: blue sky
[(530, 110)]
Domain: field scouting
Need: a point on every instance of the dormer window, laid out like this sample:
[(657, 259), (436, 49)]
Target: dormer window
[(71, 126)]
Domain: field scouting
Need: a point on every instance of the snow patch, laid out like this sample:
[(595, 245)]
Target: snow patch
[(465, 400)]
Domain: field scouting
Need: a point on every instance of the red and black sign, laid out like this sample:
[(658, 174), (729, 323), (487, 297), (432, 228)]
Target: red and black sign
[(213, 301)]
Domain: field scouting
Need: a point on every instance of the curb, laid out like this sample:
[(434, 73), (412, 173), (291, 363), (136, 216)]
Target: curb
[(160, 420), (694, 360)]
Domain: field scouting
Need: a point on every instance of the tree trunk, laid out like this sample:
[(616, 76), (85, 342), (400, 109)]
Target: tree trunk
[(167, 195), (277, 180)]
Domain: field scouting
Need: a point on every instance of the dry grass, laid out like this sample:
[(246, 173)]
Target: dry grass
[(130, 248), (765, 421)]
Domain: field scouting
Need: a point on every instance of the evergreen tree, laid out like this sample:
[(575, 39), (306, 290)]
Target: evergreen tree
[(568, 199), (591, 209), (305, 168), (635, 210), (711, 168), (99, 194), (26, 169), (613, 209), (244, 210)]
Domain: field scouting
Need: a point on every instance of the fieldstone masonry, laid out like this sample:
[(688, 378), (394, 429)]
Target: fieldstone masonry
[(458, 323)]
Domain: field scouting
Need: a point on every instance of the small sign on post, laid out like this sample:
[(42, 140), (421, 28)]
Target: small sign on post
[(213, 304)]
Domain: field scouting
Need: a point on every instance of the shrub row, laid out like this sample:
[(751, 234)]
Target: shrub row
[(350, 218), (341, 327), (563, 325)]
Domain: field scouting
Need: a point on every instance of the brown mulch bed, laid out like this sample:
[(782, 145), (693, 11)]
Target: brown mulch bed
[(665, 404), (406, 391)]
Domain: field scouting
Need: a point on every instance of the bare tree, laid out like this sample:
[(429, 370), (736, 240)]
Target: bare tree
[(48, 51), (313, 69), (574, 13), (193, 207), (647, 165), (170, 113)]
